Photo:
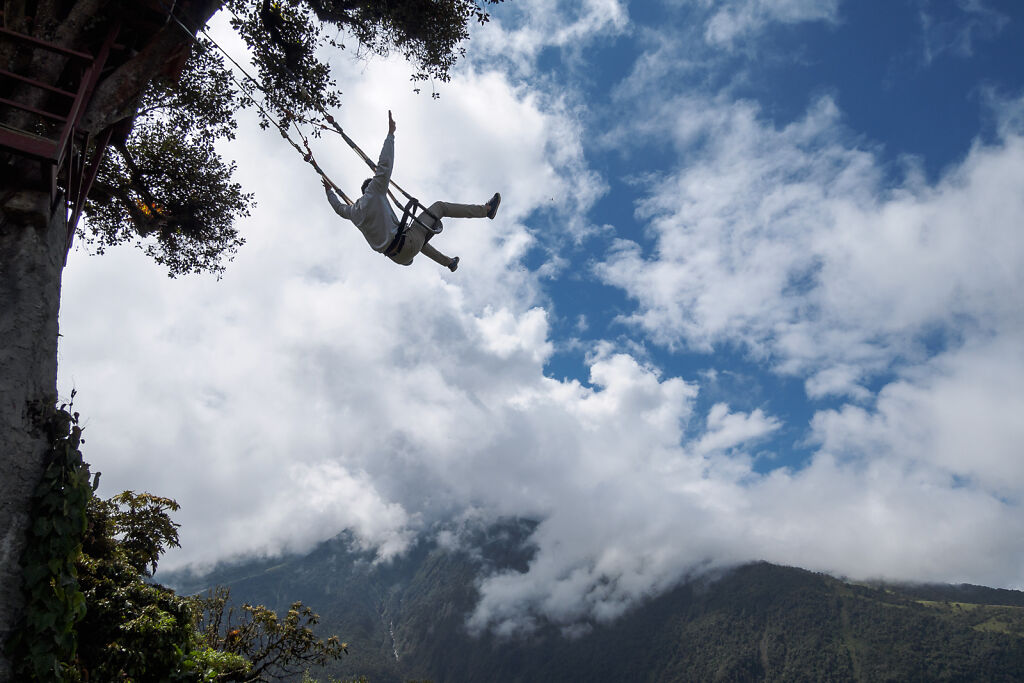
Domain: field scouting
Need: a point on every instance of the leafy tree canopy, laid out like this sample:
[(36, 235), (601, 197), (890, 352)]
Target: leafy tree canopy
[(134, 629)]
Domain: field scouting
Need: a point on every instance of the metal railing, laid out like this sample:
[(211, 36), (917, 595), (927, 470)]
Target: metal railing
[(49, 131)]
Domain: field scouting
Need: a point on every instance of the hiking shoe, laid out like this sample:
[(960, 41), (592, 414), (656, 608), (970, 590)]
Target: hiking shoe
[(492, 205), (454, 265)]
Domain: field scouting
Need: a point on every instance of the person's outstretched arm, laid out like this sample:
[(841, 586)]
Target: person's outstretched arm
[(340, 207), (379, 183)]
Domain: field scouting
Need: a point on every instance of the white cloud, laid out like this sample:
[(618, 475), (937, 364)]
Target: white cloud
[(907, 491), (298, 396), (875, 517), (726, 430), (958, 412), (975, 20), (730, 20), (520, 31), (641, 525), (788, 242)]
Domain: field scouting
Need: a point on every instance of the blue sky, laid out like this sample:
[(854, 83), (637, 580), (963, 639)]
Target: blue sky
[(752, 294), (913, 84)]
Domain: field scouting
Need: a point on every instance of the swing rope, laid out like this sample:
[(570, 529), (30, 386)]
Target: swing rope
[(247, 89), (307, 155)]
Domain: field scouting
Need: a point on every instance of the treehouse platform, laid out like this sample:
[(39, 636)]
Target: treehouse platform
[(46, 87)]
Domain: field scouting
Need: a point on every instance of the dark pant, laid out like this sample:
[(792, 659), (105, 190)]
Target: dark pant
[(417, 236)]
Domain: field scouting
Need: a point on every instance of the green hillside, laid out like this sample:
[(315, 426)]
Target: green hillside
[(405, 620)]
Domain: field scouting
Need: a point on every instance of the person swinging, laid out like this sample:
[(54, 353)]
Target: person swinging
[(373, 216)]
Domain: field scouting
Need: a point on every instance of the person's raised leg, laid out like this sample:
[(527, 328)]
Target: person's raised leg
[(430, 252), (453, 210)]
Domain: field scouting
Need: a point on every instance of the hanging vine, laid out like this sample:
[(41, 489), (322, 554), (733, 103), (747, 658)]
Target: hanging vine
[(44, 647)]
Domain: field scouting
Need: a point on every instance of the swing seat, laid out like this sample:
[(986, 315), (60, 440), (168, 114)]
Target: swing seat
[(413, 213)]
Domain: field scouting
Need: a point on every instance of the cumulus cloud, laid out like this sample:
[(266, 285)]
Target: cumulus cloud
[(315, 362), (871, 519), (726, 430), (957, 412), (789, 242), (873, 502), (925, 486)]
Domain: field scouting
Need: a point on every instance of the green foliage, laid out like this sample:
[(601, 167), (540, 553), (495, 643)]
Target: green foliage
[(90, 614), (200, 100), (132, 629), (427, 33), (307, 678), (44, 646), (213, 665), (285, 38), (138, 630), (167, 182), (272, 648), (134, 525), (166, 189)]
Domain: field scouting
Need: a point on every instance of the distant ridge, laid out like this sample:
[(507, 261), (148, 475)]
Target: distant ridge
[(964, 592), (405, 620)]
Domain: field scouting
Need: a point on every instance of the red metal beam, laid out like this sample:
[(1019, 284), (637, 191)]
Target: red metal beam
[(45, 45), (85, 91), (90, 177), (38, 112), (35, 84), (28, 144)]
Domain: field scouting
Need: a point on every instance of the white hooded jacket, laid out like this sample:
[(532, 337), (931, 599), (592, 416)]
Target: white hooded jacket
[(372, 213)]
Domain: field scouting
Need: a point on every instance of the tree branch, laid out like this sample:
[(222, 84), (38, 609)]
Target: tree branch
[(46, 18), (135, 182), (118, 95), (14, 14)]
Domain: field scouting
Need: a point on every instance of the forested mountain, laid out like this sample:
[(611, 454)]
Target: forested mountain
[(406, 620)]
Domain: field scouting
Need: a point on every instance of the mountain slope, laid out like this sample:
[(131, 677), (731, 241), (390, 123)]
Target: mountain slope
[(406, 620)]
